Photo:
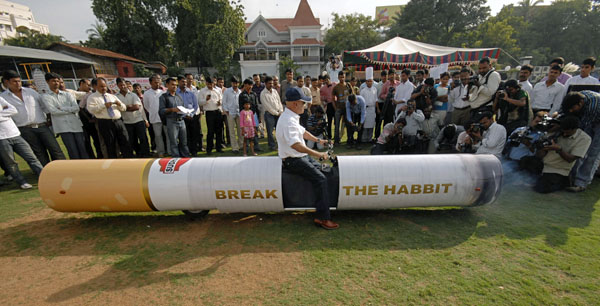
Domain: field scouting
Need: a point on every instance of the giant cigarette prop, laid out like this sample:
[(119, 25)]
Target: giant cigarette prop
[(254, 184)]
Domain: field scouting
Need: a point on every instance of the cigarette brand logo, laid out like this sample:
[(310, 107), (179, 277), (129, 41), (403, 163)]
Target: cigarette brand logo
[(171, 165)]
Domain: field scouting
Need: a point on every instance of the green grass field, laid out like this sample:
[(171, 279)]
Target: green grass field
[(524, 249)]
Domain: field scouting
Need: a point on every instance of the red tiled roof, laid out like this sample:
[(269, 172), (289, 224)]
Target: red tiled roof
[(280, 24), (306, 41), (268, 43), (304, 16), (98, 52)]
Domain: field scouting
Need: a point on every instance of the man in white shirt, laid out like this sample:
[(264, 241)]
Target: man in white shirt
[(108, 108), (232, 111), (135, 120), (414, 117), (481, 97), (524, 75), (151, 103), (273, 108), (403, 91), (11, 142), (563, 77), (494, 136), (547, 95), (294, 154), (65, 120), (459, 97), (31, 118), (584, 77), (210, 99), (333, 67)]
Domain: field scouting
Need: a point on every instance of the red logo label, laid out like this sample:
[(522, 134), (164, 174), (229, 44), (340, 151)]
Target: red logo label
[(171, 165)]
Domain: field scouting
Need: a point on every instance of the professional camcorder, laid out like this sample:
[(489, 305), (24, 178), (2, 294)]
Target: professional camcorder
[(474, 80), (545, 129)]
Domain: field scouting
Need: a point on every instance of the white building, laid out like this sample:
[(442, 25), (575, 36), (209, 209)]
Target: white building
[(14, 15), (269, 39)]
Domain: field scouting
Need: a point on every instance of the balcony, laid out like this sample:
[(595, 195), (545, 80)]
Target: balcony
[(259, 57), (304, 59)]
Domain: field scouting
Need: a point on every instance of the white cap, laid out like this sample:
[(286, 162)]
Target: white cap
[(369, 73)]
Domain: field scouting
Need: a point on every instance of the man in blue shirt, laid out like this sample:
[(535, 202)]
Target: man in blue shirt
[(168, 109), (356, 111), (192, 120)]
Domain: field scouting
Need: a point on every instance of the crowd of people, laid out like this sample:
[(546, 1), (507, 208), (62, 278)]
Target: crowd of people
[(550, 130)]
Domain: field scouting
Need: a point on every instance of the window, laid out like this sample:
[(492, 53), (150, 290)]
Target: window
[(262, 33), (304, 52), (8, 28)]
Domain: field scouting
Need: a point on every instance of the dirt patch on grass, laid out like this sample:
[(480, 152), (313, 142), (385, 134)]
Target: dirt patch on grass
[(242, 279), (50, 258)]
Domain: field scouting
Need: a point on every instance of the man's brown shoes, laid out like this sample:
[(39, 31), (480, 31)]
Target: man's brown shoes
[(326, 224)]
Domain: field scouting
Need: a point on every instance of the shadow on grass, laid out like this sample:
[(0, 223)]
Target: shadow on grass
[(146, 245), (143, 247), (522, 213)]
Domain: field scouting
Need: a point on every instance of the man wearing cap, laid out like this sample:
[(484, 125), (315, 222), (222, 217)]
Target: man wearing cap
[(294, 154)]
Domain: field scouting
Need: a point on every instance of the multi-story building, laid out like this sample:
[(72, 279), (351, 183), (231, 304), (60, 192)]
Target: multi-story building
[(14, 15), (267, 40)]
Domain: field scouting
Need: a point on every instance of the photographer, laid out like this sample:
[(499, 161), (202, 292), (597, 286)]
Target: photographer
[(334, 67), (414, 118), (356, 112), (424, 95), (316, 126), (560, 156), (446, 140), (428, 132), (490, 136), (465, 142), (483, 88), (521, 141), (459, 98), (389, 140), (586, 106), (513, 104)]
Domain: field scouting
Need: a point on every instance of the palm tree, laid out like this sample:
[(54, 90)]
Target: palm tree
[(96, 36), (527, 5), (96, 32)]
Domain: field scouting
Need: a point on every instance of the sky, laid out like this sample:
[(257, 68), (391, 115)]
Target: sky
[(71, 19)]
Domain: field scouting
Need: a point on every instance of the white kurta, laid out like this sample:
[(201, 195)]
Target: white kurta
[(370, 96)]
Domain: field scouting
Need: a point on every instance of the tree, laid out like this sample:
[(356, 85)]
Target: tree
[(285, 63), (438, 21), (137, 28), (565, 28), (221, 24), (96, 36), (500, 31), (351, 32), (32, 39), (527, 5)]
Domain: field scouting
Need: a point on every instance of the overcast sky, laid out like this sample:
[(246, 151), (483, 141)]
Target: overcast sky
[(71, 18)]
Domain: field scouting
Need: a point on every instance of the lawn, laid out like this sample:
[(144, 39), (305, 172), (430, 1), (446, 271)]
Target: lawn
[(524, 249)]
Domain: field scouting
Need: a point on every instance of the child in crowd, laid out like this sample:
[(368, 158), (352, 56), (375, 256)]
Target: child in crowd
[(247, 123)]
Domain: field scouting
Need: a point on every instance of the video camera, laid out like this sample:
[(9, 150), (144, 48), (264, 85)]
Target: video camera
[(544, 129), (474, 80), (476, 127)]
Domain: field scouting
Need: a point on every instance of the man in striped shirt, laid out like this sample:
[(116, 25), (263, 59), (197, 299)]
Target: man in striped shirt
[(586, 105)]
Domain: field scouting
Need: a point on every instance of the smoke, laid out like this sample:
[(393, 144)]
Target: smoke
[(513, 176)]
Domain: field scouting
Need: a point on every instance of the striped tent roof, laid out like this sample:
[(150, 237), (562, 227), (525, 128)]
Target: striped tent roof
[(401, 52)]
